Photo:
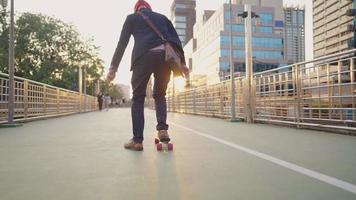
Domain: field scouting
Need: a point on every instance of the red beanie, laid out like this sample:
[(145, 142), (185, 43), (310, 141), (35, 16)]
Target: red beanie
[(142, 4)]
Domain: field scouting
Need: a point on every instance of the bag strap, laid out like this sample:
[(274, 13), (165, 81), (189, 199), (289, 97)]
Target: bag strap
[(150, 24)]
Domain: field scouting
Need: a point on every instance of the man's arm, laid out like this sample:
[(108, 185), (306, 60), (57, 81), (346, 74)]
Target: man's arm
[(122, 44)]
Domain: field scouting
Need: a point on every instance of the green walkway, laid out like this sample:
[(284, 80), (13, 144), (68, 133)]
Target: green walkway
[(81, 157)]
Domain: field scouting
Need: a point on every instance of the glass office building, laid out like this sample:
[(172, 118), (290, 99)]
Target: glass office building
[(294, 18), (212, 48), (183, 18)]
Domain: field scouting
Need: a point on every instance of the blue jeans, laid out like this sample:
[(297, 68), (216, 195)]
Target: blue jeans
[(151, 63)]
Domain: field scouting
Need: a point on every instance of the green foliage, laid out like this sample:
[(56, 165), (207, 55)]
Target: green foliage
[(4, 38), (49, 51), (112, 89)]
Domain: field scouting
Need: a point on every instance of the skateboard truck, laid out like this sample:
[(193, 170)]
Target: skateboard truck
[(163, 146)]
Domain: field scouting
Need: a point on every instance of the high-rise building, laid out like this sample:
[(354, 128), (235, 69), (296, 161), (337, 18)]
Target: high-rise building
[(334, 26), (183, 16), (294, 18), (211, 32)]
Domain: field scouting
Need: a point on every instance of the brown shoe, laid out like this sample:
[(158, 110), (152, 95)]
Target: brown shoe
[(132, 145), (163, 136)]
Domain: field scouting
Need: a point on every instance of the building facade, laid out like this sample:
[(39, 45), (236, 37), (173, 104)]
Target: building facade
[(211, 32), (183, 16), (334, 26), (294, 18)]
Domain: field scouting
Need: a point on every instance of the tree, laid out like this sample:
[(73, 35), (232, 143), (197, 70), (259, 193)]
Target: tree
[(49, 51), (112, 89), (4, 39)]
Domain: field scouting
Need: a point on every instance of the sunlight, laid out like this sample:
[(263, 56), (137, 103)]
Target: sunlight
[(179, 83)]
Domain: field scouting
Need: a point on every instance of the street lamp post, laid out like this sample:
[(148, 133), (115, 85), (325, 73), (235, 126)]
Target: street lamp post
[(85, 87), (11, 98), (80, 86), (249, 70), (248, 15), (232, 78)]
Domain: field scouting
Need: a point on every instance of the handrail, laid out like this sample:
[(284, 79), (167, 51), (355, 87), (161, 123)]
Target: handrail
[(35, 100), (348, 52), (316, 93), (36, 82)]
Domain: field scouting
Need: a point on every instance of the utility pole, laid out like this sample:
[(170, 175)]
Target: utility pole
[(85, 87), (80, 86), (232, 70), (249, 67), (11, 98), (248, 15)]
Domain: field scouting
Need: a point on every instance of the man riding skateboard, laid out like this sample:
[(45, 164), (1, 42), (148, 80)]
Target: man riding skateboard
[(148, 57)]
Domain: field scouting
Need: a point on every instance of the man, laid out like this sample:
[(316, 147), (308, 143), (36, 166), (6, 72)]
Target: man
[(148, 57), (100, 101)]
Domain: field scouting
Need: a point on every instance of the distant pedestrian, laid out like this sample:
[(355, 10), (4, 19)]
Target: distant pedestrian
[(100, 101), (154, 36), (107, 101)]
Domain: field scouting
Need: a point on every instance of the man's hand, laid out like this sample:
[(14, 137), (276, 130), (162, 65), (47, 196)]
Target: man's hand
[(111, 76), (185, 71)]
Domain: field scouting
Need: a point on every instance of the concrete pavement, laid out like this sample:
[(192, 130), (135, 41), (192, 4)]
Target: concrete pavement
[(81, 157)]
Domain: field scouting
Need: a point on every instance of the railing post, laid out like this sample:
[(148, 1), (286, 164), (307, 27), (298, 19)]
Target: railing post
[(352, 80), (58, 103), (206, 99), (297, 79), (339, 82), (173, 94), (80, 102), (194, 101), (253, 99), (221, 100), (25, 99), (44, 100)]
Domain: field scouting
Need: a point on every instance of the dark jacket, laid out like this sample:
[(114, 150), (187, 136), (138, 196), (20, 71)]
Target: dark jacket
[(145, 37)]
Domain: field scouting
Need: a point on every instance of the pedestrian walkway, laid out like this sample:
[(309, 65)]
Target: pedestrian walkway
[(81, 157)]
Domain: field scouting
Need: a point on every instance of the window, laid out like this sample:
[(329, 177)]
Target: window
[(237, 40), (178, 5), (266, 18), (180, 19), (180, 25), (267, 42), (268, 54), (180, 31), (256, 41), (224, 66), (235, 27), (182, 38), (265, 29), (241, 28), (256, 54), (227, 14)]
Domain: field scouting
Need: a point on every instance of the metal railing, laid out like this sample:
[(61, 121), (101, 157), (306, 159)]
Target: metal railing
[(34, 100), (317, 93)]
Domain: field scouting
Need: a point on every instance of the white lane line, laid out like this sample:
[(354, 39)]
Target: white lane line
[(319, 176)]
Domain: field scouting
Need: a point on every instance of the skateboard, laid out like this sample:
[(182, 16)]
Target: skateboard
[(163, 146)]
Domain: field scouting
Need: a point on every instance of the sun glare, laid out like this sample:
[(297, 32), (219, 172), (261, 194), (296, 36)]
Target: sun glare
[(179, 83)]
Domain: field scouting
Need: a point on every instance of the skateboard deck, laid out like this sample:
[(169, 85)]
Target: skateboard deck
[(163, 146)]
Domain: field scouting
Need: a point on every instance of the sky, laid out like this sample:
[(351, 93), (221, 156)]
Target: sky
[(103, 21)]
